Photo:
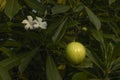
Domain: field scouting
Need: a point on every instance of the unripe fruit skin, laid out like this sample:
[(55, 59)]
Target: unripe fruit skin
[(84, 28), (61, 2), (2, 4), (75, 52)]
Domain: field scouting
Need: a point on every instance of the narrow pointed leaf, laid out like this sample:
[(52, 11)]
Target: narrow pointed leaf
[(6, 51), (60, 31), (25, 61), (11, 43), (93, 18), (116, 65), (94, 59), (97, 35), (51, 70), (11, 62)]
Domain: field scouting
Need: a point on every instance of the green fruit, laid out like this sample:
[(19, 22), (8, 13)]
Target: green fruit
[(2, 4), (76, 52), (84, 28), (61, 2)]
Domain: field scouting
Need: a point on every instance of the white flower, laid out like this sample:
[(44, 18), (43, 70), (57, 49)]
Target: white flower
[(29, 23), (33, 24), (39, 23)]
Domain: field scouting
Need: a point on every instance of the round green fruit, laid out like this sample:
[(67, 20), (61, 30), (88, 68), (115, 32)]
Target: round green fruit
[(84, 28), (76, 52)]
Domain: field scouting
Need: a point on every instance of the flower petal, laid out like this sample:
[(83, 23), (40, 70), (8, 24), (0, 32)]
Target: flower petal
[(27, 27), (25, 21), (36, 25), (39, 19), (43, 25), (35, 22), (30, 18)]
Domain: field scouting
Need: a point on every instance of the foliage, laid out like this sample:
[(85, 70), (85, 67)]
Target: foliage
[(39, 54)]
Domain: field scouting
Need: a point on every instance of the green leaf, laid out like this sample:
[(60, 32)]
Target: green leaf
[(93, 18), (12, 8), (4, 75), (4, 27), (112, 37), (12, 43), (11, 62), (95, 59), (51, 70), (111, 1), (85, 64), (115, 65), (116, 50), (60, 9), (80, 76), (60, 31), (114, 28), (72, 23), (98, 35), (6, 51), (26, 60), (21, 60), (78, 7), (35, 5), (109, 51)]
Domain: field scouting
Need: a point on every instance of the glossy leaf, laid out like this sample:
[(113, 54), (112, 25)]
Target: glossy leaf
[(12, 8), (93, 18), (51, 70)]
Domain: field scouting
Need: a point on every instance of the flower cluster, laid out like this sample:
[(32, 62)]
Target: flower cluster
[(33, 24)]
